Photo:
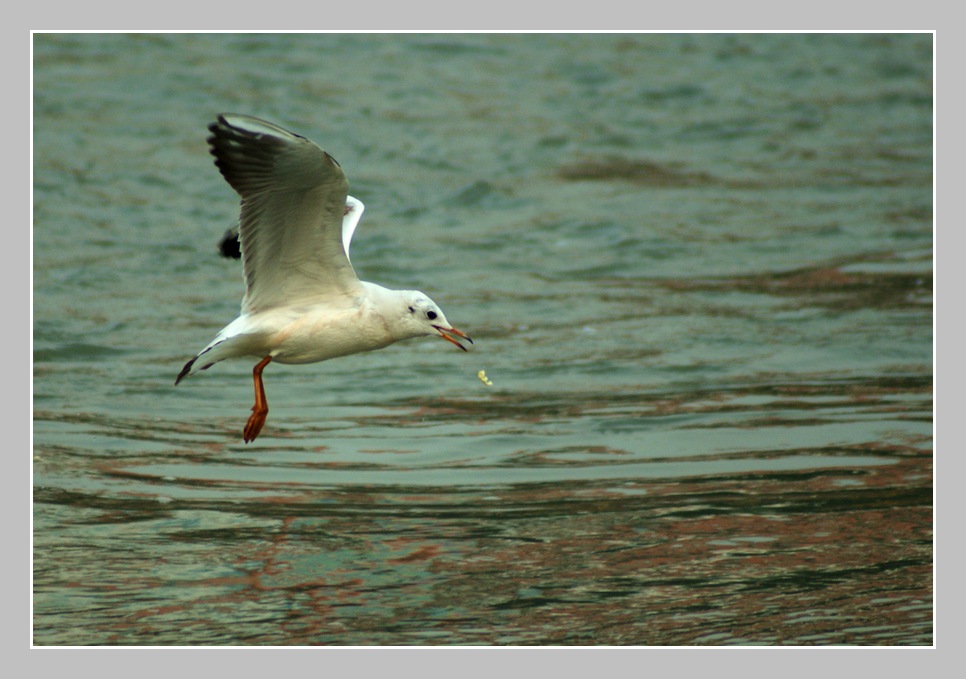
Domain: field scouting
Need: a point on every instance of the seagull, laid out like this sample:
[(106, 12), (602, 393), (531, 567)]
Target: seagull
[(303, 302)]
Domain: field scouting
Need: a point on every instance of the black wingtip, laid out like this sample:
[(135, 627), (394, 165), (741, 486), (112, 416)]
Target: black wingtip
[(229, 246), (185, 370)]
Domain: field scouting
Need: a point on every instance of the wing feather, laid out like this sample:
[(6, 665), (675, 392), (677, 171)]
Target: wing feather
[(293, 202)]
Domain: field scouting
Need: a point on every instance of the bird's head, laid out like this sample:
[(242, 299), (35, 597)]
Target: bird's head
[(422, 316)]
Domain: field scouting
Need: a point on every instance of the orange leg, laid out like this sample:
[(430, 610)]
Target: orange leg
[(260, 409)]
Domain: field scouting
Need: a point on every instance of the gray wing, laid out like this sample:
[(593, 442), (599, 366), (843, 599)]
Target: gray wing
[(293, 200)]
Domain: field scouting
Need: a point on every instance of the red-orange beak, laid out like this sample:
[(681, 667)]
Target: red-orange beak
[(447, 334)]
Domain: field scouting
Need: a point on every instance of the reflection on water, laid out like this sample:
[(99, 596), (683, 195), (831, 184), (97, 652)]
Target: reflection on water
[(207, 541), (699, 273), (741, 558)]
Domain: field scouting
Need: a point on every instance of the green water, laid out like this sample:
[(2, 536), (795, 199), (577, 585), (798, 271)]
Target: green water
[(698, 270)]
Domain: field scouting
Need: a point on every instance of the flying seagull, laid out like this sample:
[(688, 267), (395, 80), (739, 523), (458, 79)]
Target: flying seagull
[(303, 302)]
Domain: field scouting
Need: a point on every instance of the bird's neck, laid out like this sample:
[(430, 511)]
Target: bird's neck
[(382, 298), (390, 306)]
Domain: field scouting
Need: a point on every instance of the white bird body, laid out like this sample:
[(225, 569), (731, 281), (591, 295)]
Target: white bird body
[(303, 302)]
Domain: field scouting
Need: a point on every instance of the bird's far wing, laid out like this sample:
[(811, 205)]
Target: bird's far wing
[(293, 205), (353, 213)]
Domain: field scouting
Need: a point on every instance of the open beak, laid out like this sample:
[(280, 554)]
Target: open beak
[(448, 333)]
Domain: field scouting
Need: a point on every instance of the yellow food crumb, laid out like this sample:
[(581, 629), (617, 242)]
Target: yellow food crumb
[(484, 379)]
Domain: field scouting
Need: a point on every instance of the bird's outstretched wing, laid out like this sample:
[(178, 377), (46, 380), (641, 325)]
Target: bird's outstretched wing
[(293, 202)]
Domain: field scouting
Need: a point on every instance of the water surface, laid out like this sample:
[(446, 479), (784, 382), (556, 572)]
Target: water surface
[(698, 270)]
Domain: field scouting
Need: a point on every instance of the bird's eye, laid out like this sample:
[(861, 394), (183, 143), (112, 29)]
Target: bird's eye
[(431, 315), (411, 310)]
